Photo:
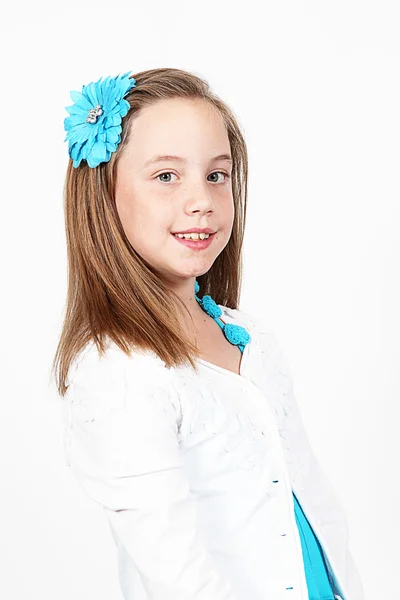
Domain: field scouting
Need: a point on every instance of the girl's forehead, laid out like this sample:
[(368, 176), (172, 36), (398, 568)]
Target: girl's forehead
[(178, 127), (178, 114)]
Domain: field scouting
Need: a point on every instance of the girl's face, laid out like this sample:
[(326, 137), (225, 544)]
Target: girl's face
[(189, 187)]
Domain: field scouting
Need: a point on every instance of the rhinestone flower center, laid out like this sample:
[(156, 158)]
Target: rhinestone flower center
[(94, 113)]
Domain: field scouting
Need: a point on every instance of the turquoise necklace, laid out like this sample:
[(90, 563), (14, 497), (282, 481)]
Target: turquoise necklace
[(235, 334)]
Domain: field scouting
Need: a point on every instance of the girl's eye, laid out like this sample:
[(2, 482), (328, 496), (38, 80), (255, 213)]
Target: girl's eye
[(221, 173), (215, 173), (162, 174)]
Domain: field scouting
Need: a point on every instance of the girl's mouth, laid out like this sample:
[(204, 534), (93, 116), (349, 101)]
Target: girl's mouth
[(196, 244)]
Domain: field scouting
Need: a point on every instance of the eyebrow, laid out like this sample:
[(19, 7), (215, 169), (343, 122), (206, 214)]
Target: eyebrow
[(170, 157)]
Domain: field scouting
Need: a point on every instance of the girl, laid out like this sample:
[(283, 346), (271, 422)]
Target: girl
[(180, 417)]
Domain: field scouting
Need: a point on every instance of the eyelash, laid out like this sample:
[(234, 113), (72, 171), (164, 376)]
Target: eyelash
[(227, 176)]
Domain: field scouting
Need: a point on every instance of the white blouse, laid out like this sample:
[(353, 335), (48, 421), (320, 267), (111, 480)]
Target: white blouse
[(195, 473)]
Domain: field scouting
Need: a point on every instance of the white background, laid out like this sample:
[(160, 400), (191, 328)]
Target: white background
[(316, 87)]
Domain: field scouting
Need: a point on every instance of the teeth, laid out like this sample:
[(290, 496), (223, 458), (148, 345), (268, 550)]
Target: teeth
[(193, 236)]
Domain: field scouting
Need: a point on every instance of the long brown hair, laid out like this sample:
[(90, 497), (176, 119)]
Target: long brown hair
[(112, 291)]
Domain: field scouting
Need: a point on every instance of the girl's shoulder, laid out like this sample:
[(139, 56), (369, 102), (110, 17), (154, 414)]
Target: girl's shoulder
[(101, 383), (262, 332), (253, 323), (246, 319), (108, 367)]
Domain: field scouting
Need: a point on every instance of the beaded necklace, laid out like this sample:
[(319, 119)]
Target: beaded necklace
[(235, 334)]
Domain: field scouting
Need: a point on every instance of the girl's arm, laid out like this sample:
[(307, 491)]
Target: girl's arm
[(124, 451)]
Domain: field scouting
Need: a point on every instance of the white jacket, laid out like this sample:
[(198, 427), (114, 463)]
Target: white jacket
[(195, 473)]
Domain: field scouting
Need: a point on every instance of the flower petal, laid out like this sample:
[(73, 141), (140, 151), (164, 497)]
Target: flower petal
[(112, 120), (79, 134), (111, 147), (75, 109), (80, 99), (75, 150), (124, 108), (73, 121), (97, 154), (90, 93), (112, 135)]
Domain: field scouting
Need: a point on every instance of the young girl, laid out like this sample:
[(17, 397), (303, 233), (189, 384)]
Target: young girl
[(180, 417)]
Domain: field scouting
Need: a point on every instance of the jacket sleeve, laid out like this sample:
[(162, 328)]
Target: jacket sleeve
[(124, 451)]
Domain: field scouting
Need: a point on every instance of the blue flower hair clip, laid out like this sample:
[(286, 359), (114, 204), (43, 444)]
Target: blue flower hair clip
[(94, 125)]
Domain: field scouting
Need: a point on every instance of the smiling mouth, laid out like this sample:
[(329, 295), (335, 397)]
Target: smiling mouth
[(194, 244), (209, 235)]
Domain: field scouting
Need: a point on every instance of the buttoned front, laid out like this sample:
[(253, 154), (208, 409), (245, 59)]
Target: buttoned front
[(196, 474)]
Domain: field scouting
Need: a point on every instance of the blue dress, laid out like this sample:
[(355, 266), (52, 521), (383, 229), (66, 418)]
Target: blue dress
[(318, 584)]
